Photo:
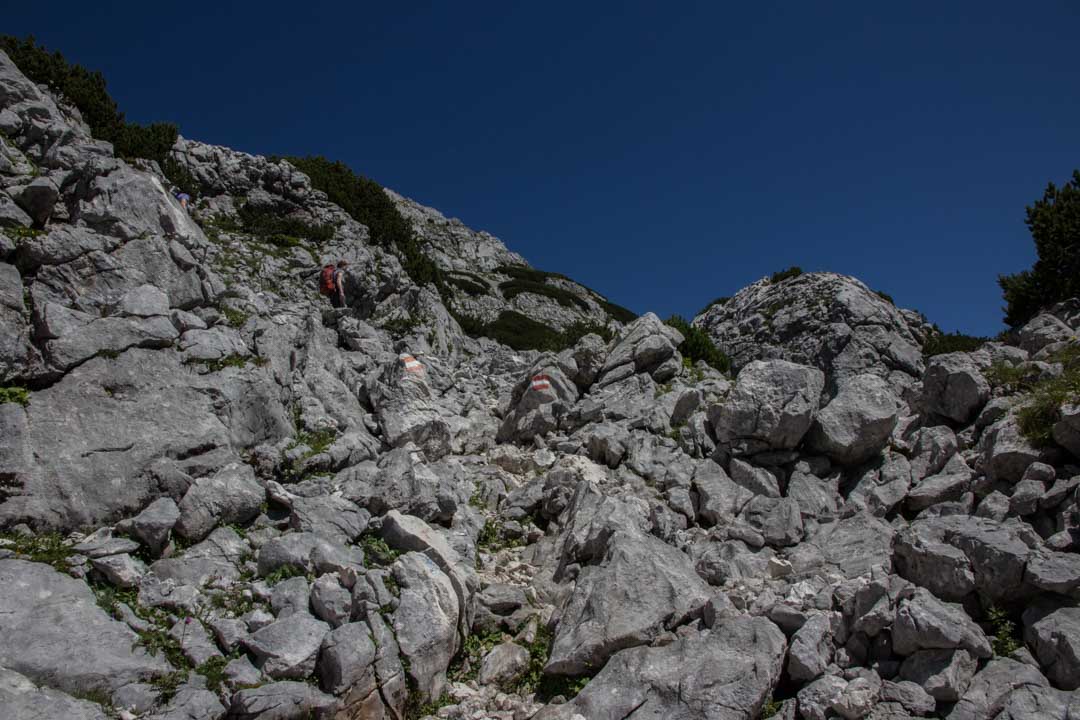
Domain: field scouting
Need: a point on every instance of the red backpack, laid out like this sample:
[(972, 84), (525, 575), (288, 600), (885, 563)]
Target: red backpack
[(326, 280)]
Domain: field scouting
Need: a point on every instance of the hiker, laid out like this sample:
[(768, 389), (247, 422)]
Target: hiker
[(332, 283), (183, 197)]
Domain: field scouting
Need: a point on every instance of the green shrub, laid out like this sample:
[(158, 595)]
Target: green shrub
[(718, 301), (1012, 378), (793, 271), (266, 223), (617, 311), (367, 203), (86, 90), (471, 288), (525, 274), (697, 345), (376, 552), (940, 343), (14, 394), (1054, 223), (886, 297), (512, 288), (1005, 640), (1042, 409), (523, 333)]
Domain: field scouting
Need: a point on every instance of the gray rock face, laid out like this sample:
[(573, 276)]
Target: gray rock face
[(347, 660), (232, 495), (944, 674), (1053, 633), (55, 633), (153, 525), (1066, 431), (811, 649), (1006, 453), (281, 701), (829, 321), (504, 663), (857, 423), (770, 407), (954, 387), (991, 686), (724, 674), (288, 648), (640, 587), (425, 621), (23, 700), (924, 622)]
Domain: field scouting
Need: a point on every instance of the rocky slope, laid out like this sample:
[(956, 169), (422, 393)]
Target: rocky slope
[(221, 498)]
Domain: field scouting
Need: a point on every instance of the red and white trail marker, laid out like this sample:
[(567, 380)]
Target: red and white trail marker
[(541, 382), (411, 364)]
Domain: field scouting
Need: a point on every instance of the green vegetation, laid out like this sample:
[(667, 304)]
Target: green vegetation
[(523, 333), (214, 672), (1012, 378), (1005, 640), (512, 288), (235, 318), (376, 552), (14, 394), (18, 233), (547, 687), (940, 343), (267, 224), (470, 288), (48, 548), (1042, 409), (718, 301), (697, 345), (886, 297), (86, 90), (618, 312), (473, 650), (284, 572), (1054, 223), (233, 360), (365, 200), (527, 277), (771, 708), (793, 271)]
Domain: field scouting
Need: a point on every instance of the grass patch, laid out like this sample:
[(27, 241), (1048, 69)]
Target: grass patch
[(235, 318), (269, 225), (14, 394), (771, 708), (376, 552), (1012, 378), (214, 672), (1042, 409), (19, 234), (618, 312), (473, 650), (48, 548), (697, 345), (285, 572)]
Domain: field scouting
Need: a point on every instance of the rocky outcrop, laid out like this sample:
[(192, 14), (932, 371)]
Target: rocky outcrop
[(825, 320), (224, 499)]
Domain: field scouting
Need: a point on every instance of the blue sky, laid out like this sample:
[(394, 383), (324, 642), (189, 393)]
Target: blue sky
[(662, 156)]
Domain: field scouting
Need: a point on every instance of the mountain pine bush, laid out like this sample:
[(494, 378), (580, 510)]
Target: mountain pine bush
[(1054, 222), (86, 90), (697, 345)]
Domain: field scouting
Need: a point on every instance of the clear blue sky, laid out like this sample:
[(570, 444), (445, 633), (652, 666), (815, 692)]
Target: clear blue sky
[(662, 155)]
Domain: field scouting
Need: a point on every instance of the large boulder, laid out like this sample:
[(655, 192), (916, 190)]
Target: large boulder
[(56, 634), (22, 699), (640, 587), (770, 407), (723, 674), (537, 403), (954, 387), (857, 423), (832, 322), (643, 347), (1053, 632), (426, 621)]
